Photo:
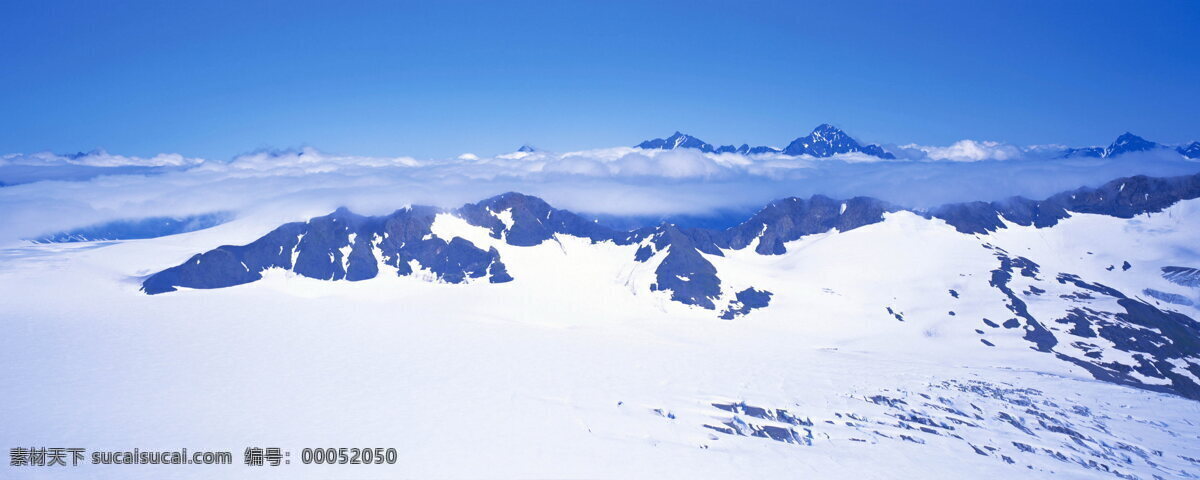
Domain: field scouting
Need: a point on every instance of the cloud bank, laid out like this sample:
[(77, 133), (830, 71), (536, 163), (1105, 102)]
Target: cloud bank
[(970, 151), (48, 193), (97, 158)]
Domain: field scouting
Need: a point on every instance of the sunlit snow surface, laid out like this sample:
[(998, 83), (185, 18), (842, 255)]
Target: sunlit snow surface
[(576, 369)]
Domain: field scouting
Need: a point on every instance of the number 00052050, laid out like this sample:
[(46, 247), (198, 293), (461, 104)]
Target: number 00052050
[(352, 456)]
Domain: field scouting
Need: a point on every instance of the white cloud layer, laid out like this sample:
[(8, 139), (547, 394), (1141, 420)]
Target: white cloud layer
[(98, 158), (305, 160), (49, 193), (972, 151)]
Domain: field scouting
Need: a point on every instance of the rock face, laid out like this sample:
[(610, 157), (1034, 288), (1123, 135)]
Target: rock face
[(684, 272), (1172, 298), (530, 220), (1156, 344), (1186, 276), (692, 279), (824, 141), (791, 218), (339, 246), (1122, 198), (1127, 143), (745, 301)]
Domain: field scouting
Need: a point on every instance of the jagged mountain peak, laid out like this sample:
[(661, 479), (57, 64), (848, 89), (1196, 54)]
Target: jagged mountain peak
[(1190, 151), (1128, 142), (1124, 143), (828, 131), (824, 141), (513, 198), (827, 140), (676, 140)]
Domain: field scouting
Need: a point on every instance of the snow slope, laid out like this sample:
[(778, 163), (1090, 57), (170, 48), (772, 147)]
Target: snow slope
[(865, 365)]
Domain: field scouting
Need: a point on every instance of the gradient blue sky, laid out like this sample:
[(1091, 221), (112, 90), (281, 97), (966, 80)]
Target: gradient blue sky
[(435, 79)]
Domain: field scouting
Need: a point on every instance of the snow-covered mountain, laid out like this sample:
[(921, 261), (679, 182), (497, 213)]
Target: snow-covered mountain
[(677, 140), (1125, 143), (1190, 151), (827, 140), (824, 141), (1131, 329)]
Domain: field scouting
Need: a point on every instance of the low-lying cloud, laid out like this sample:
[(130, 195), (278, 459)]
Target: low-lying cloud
[(48, 193), (97, 158)]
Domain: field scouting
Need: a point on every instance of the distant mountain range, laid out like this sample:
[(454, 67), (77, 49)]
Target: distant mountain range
[(827, 140), (130, 229), (1190, 151), (824, 141), (1129, 143)]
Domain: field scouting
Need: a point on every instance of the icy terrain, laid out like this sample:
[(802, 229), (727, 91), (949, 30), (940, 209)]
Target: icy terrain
[(893, 349)]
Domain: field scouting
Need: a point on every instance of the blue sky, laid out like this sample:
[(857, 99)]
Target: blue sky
[(435, 79)]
